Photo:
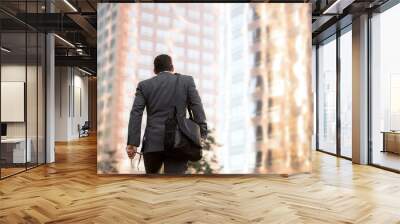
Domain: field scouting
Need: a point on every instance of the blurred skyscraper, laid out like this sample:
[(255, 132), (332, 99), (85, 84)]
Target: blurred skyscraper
[(237, 153), (281, 59), (130, 36)]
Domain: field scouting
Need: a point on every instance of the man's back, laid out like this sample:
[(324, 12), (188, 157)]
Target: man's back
[(157, 96)]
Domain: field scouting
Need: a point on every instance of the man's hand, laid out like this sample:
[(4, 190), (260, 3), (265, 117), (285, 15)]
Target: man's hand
[(131, 150)]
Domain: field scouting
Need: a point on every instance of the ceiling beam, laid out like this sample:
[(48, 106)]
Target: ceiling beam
[(77, 61), (83, 23)]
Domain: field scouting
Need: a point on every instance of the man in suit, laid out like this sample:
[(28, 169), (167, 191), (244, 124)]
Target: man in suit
[(157, 96)]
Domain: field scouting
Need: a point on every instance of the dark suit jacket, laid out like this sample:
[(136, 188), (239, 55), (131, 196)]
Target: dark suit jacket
[(156, 95)]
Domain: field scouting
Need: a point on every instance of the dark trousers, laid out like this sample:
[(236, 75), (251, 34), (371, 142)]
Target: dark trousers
[(154, 160)]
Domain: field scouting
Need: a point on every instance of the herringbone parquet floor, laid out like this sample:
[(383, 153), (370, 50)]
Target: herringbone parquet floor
[(70, 191)]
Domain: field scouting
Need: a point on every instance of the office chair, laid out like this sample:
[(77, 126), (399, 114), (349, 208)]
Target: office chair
[(84, 130)]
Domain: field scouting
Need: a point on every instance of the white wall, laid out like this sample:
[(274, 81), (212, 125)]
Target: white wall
[(33, 126), (71, 94), (16, 73), (12, 73)]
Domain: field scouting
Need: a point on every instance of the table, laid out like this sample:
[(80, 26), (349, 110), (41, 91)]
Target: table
[(391, 141), (13, 150)]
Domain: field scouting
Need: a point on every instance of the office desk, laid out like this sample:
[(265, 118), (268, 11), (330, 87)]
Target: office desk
[(13, 150), (391, 141)]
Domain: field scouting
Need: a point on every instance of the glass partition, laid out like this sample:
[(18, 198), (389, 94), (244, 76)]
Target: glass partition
[(22, 90), (41, 96), (31, 99), (14, 153)]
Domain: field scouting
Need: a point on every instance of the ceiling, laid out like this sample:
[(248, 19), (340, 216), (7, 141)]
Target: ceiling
[(74, 22), (328, 16)]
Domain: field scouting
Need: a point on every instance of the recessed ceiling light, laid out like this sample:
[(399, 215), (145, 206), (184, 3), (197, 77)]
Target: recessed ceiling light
[(70, 5), (337, 7), (84, 71), (65, 41), (5, 50)]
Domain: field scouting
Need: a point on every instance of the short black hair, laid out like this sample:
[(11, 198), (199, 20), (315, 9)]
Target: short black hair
[(163, 62)]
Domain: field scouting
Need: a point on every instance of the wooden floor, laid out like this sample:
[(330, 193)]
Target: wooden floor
[(70, 191)]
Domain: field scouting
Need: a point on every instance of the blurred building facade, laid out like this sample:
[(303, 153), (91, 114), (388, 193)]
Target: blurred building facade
[(113, 24), (283, 109), (237, 153)]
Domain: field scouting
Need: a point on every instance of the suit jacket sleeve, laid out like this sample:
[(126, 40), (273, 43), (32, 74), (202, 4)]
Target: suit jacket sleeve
[(197, 108), (135, 118)]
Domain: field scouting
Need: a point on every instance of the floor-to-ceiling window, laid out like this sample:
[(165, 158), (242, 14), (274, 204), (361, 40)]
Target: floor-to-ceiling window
[(327, 95), (385, 89), (22, 88), (314, 88), (333, 65), (345, 61)]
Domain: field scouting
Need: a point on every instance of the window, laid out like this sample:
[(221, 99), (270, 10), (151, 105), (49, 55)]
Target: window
[(257, 35), (270, 103), (256, 16), (179, 66), (146, 45), (194, 27), (144, 59), (207, 84), (193, 68), (193, 54), (194, 14), (163, 20), (258, 159), (259, 133), (146, 31), (178, 51), (259, 81), (208, 17), (162, 35), (237, 54), (270, 129), (236, 9), (162, 48), (148, 17), (208, 30), (327, 96), (208, 70), (163, 7), (180, 38), (208, 43), (346, 94), (208, 57), (257, 59), (179, 24), (144, 74), (258, 107), (147, 5), (237, 137), (180, 10), (237, 32), (385, 88), (193, 40), (208, 99)]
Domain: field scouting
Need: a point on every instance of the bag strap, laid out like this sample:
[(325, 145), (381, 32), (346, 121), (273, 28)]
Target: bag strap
[(176, 86), (174, 97)]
